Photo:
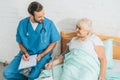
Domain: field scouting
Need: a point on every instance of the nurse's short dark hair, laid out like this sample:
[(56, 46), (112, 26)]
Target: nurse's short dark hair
[(34, 6)]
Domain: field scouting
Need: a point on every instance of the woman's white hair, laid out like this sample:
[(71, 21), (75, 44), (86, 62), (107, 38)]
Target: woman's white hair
[(85, 23)]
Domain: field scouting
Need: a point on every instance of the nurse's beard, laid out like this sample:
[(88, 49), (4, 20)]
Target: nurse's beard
[(38, 21)]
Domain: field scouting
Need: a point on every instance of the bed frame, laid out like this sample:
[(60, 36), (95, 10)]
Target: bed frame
[(66, 37)]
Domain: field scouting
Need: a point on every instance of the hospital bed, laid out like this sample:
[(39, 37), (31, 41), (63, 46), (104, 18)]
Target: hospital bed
[(66, 37)]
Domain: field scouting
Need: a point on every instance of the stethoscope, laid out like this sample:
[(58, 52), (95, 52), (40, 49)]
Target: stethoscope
[(41, 30)]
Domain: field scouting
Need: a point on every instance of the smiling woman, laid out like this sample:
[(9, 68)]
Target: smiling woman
[(83, 47)]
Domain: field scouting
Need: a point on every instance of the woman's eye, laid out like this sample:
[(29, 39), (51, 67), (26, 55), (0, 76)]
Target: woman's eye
[(79, 28)]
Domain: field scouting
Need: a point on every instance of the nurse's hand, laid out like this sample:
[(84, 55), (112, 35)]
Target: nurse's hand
[(39, 57), (26, 56)]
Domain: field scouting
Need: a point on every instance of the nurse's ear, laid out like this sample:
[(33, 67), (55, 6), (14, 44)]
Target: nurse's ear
[(31, 17)]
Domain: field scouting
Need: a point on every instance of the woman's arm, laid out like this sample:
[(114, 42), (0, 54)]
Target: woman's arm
[(101, 55), (55, 62)]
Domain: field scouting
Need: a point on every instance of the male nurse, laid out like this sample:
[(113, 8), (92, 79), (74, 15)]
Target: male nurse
[(36, 34)]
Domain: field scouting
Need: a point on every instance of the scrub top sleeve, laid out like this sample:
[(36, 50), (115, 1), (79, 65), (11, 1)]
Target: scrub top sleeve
[(54, 34), (18, 38)]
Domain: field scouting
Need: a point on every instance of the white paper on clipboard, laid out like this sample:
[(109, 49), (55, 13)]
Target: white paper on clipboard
[(26, 64)]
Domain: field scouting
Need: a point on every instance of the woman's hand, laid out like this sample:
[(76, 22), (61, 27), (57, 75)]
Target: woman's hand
[(101, 78), (48, 65), (26, 56)]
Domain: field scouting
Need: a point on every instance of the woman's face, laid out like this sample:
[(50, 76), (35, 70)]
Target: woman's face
[(81, 32)]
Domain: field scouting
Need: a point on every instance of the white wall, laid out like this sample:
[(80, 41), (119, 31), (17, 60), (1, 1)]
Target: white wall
[(105, 15)]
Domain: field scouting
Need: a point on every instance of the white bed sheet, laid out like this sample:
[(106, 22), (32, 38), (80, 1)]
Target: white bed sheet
[(116, 67)]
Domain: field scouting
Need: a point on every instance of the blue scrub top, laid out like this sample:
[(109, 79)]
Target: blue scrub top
[(36, 41)]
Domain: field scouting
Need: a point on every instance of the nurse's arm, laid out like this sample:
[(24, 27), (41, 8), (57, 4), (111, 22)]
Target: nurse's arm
[(49, 48)]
